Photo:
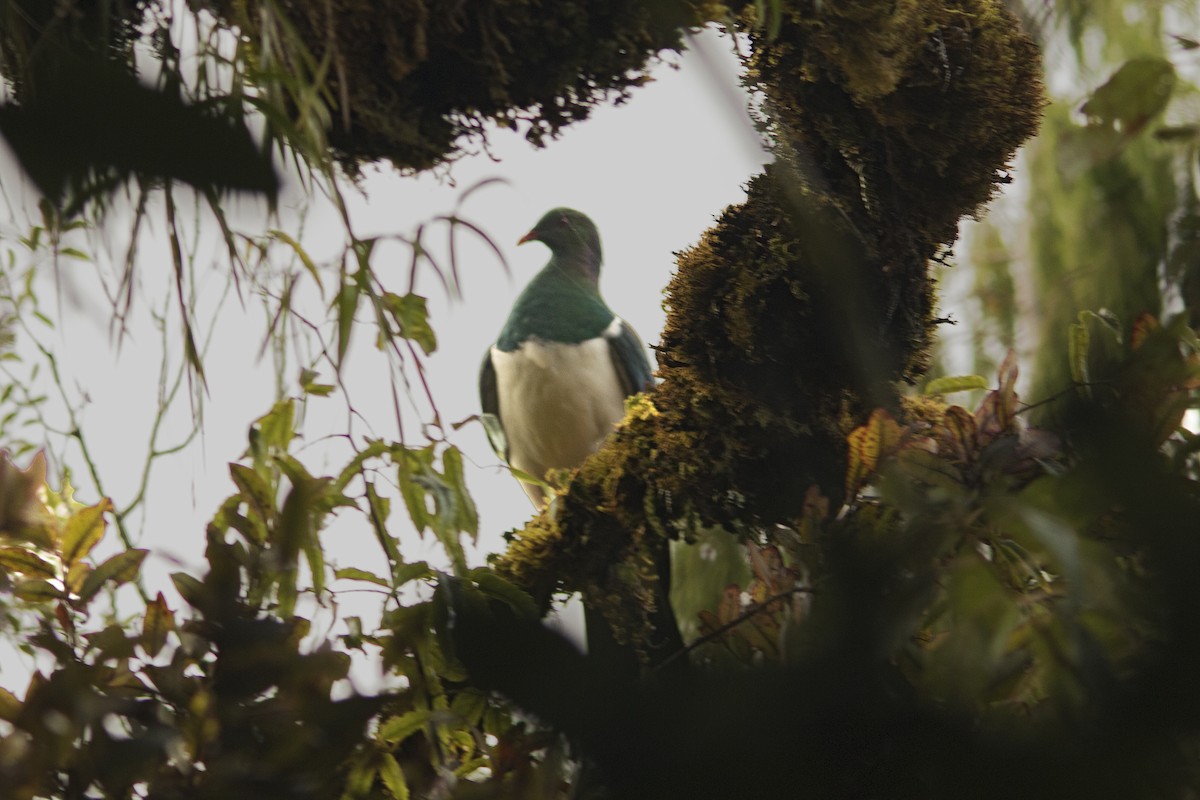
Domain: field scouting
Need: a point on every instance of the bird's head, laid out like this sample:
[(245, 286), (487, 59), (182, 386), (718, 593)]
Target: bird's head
[(570, 235)]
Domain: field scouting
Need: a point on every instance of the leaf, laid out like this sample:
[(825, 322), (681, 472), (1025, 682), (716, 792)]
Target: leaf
[(254, 489), (1138, 91), (1185, 42), (192, 590), (956, 383), (495, 586), (868, 445), (156, 624), (962, 433), (77, 574), (393, 777), (346, 305), (356, 574), (412, 317), (923, 466), (466, 516), (418, 570), (84, 529), (469, 704), (36, 590), (1145, 324), (309, 385), (305, 259), (277, 427), (1078, 342), (121, 568), (91, 125), (26, 562), (10, 706), (397, 729)]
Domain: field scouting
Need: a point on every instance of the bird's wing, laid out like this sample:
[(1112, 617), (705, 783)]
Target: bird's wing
[(489, 401), (629, 357)]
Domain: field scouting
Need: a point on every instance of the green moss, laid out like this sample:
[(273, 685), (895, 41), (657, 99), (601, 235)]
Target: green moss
[(911, 118)]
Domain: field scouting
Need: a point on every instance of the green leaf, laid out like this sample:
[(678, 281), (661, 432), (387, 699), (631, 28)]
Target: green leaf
[(1138, 91), (156, 624), (192, 590), (253, 487), (1078, 343), (493, 585), (466, 516), (300, 252), (469, 704), (84, 529), (397, 729), (10, 706), (121, 568), (346, 305), (956, 383), (26, 562), (418, 570), (356, 574), (277, 427), (36, 590), (393, 777), (412, 317)]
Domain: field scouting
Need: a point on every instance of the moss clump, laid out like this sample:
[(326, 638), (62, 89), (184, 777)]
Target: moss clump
[(413, 77), (910, 110)]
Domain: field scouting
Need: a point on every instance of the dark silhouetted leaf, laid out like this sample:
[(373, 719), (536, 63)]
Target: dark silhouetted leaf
[(91, 125)]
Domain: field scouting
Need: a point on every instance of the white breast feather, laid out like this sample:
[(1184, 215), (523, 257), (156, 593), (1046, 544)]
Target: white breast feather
[(557, 402)]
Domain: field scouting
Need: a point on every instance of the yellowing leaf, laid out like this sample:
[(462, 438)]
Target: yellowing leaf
[(10, 706), (956, 383), (77, 574), (26, 562), (84, 530), (156, 624), (868, 445), (121, 568)]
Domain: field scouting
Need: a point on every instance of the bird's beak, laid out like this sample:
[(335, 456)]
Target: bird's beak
[(529, 237)]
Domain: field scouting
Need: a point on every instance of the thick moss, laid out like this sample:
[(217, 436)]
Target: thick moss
[(910, 110), (413, 77)]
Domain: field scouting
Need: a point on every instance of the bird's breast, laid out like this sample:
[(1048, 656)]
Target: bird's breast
[(557, 401)]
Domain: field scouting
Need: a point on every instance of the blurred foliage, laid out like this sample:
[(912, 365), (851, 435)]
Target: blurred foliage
[(886, 594), (1104, 219)]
